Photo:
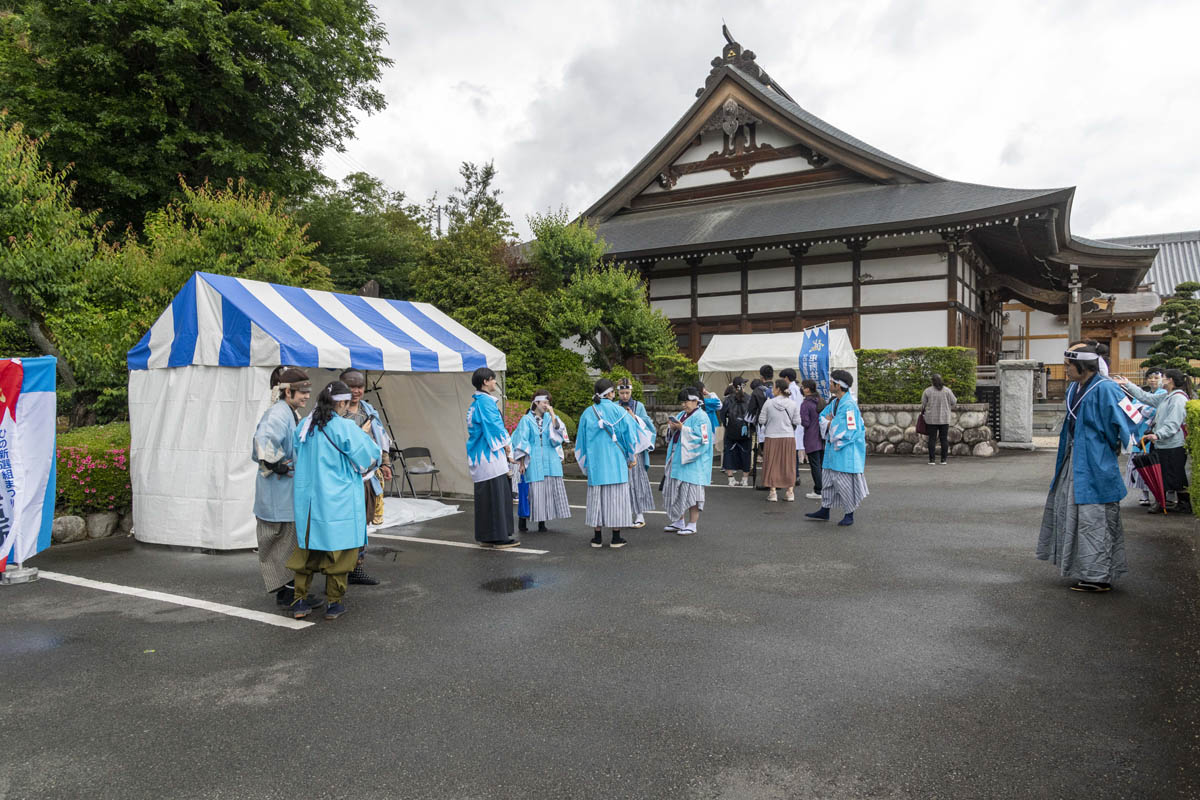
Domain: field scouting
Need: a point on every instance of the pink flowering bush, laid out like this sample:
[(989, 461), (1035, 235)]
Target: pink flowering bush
[(93, 470)]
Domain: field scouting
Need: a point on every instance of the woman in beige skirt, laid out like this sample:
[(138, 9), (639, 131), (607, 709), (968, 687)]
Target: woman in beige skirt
[(779, 419)]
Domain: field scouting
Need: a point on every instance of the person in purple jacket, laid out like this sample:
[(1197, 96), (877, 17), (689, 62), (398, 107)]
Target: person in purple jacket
[(810, 411)]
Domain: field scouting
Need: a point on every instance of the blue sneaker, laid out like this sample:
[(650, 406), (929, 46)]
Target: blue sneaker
[(820, 514), (335, 610), (847, 520), (300, 609)]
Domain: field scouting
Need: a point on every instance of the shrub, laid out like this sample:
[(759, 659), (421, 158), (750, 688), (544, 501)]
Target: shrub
[(569, 421), (93, 469), (673, 371), (900, 376), (1193, 446), (564, 375)]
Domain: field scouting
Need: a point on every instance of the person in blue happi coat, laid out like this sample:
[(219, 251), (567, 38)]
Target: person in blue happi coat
[(639, 479), (605, 449), (331, 456), (845, 452), (1081, 529), (1153, 386), (689, 464), (364, 415), (537, 444)]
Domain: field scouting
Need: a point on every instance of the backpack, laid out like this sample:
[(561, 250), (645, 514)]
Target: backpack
[(735, 419)]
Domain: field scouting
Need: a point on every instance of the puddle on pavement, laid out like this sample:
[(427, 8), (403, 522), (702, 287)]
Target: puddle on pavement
[(26, 643), (775, 513), (382, 551), (506, 585)]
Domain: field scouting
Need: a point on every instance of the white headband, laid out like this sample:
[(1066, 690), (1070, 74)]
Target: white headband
[(695, 397), (1075, 355), (606, 392), (541, 397), (337, 398), (842, 384)]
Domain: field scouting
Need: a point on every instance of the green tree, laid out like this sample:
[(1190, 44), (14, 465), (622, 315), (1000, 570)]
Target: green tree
[(606, 308), (364, 232), (562, 248), (1180, 342), (139, 93), (44, 241), (476, 203)]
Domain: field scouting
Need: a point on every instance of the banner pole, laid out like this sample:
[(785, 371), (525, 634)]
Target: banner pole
[(18, 574)]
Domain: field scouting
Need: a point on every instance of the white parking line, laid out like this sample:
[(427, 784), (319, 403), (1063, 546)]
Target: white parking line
[(469, 545), (179, 600)]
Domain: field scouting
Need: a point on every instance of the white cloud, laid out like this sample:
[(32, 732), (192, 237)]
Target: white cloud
[(567, 96)]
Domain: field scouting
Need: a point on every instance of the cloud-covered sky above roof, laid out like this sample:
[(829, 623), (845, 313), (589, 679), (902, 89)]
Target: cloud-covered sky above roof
[(567, 96)]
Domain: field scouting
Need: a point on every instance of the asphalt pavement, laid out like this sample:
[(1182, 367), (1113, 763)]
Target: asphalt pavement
[(921, 653)]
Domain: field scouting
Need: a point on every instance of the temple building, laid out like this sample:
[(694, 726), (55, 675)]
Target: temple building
[(753, 215)]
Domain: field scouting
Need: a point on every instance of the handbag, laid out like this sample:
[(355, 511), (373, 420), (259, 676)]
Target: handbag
[(922, 428)]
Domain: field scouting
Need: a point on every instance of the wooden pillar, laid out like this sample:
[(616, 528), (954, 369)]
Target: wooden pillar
[(856, 247), (797, 254), (744, 257), (952, 297), (694, 329)]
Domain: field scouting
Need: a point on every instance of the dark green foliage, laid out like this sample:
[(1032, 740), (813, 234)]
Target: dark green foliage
[(900, 376), (563, 374), (1180, 329), (617, 373), (672, 371), (140, 93), (1193, 446), (561, 249), (363, 232), (93, 469)]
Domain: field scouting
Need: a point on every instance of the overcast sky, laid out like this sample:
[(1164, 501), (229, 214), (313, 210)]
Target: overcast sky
[(567, 96)]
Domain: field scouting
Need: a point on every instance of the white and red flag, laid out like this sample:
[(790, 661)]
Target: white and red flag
[(27, 457), (1133, 410)]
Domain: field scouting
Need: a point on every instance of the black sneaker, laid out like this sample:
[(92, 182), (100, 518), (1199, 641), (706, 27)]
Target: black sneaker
[(360, 577), (523, 524), (1090, 586), (541, 527), (284, 595), (597, 540), (617, 541)]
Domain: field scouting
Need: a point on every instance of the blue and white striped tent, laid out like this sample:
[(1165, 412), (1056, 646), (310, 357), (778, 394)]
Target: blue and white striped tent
[(199, 381), (219, 320)]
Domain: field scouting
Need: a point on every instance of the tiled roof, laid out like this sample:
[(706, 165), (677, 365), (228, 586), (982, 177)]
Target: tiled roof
[(1178, 258)]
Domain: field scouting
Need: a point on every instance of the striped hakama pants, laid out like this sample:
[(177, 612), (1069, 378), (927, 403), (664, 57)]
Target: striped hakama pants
[(548, 500), (609, 506), (639, 490), (845, 489)]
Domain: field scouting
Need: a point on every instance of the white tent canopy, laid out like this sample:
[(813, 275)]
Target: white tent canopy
[(199, 382), (730, 355)]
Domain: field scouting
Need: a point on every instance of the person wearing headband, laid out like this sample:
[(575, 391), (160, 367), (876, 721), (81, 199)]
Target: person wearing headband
[(1137, 446), (490, 461), (845, 452), (271, 449), (736, 455), (364, 415), (1081, 530), (605, 448), (537, 444), (332, 453), (639, 476), (688, 465), (1170, 414)]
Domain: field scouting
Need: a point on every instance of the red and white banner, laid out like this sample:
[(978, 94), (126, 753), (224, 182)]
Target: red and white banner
[(28, 463)]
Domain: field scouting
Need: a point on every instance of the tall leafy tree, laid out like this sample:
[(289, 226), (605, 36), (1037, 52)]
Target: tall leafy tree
[(562, 248), (1180, 328), (139, 93)]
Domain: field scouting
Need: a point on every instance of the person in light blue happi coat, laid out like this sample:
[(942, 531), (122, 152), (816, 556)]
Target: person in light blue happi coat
[(689, 464), (1154, 382), (605, 449), (331, 456), (364, 415), (1081, 529), (490, 460), (639, 479), (845, 454), (274, 510), (626, 400), (537, 446)]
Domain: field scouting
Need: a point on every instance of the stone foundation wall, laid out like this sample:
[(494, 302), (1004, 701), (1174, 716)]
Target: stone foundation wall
[(101, 525), (891, 429)]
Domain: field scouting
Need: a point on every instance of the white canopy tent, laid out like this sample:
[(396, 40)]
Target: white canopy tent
[(730, 355), (199, 383)]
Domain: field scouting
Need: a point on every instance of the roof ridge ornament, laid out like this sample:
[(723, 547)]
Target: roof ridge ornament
[(734, 55)]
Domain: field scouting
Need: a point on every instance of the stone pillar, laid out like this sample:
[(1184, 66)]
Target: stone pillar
[(1016, 403)]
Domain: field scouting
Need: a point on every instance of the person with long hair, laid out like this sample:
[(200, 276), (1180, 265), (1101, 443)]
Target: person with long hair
[(778, 419), (810, 412), (606, 449), (1167, 434), (331, 456), (845, 452), (537, 444), (490, 460), (364, 415), (733, 415), (1081, 529), (274, 510), (937, 402), (689, 464)]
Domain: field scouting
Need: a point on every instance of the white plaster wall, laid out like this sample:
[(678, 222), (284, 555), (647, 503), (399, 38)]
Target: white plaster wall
[(719, 306), (817, 274), (771, 301), (665, 287), (1049, 351), (839, 297), (931, 265), (916, 292), (903, 329), (1041, 322), (776, 277), (719, 282), (674, 309), (1125, 349)]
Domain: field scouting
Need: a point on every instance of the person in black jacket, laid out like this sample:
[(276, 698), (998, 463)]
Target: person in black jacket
[(733, 415), (760, 393)]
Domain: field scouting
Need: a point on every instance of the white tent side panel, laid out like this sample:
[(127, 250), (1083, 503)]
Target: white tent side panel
[(730, 355), (190, 467)]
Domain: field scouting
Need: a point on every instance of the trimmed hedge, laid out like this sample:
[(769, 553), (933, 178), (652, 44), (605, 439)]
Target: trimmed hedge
[(900, 376), (1193, 448), (93, 469)]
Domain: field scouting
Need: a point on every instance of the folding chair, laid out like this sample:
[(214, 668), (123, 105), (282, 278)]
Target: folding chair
[(419, 461)]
